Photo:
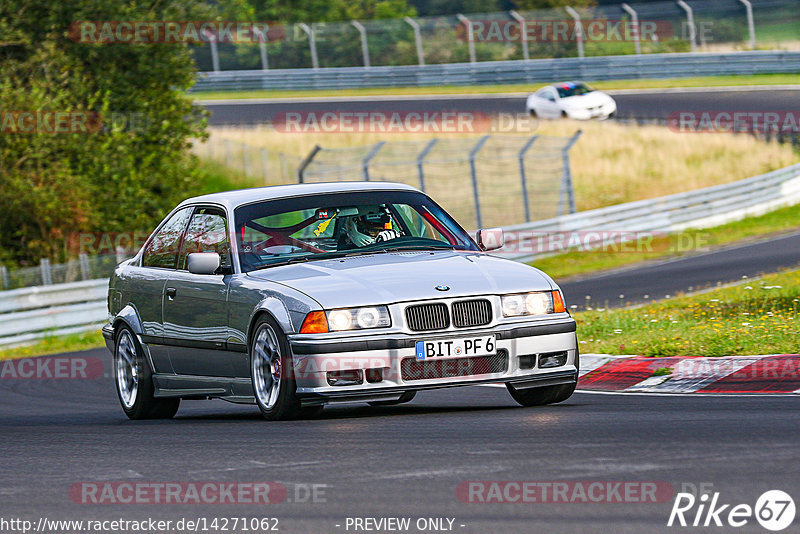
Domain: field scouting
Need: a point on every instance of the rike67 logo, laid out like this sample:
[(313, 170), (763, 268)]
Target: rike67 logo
[(774, 510)]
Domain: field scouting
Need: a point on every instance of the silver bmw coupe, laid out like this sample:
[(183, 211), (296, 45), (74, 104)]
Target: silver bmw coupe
[(294, 297)]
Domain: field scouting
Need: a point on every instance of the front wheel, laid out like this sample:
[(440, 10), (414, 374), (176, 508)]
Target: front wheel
[(542, 396), (272, 374), (134, 380)]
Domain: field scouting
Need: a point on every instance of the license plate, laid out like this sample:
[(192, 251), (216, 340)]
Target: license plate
[(470, 346)]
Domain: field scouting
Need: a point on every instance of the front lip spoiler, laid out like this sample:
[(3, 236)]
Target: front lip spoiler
[(521, 382), (333, 347)]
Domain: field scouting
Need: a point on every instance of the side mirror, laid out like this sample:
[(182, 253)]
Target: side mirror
[(203, 262), (490, 239)]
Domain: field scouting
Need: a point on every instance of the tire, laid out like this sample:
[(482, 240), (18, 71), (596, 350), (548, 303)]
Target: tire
[(134, 381), (408, 396), (542, 396), (272, 374), (533, 113)]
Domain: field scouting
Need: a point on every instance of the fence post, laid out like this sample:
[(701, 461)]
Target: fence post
[(690, 21), (417, 39), (312, 43), (420, 159), (637, 37), (522, 33), (228, 162), (364, 46), (83, 260), (4, 276), (262, 44), (372, 153), (212, 41), (120, 255), (264, 164), (523, 178), (474, 173), (47, 273), (751, 26), (301, 170), (470, 37), (578, 29), (567, 191)]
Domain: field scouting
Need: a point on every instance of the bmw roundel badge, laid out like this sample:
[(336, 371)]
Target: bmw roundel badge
[(442, 288)]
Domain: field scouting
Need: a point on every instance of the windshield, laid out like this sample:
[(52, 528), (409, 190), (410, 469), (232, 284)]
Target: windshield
[(333, 225), (566, 90)]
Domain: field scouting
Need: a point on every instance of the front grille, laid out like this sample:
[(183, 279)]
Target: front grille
[(412, 369), (472, 313), (427, 317)]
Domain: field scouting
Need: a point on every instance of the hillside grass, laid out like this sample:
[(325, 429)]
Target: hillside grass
[(752, 318)]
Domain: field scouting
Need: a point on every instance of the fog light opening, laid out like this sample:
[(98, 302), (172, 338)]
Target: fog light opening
[(374, 375), (345, 378), (552, 359)]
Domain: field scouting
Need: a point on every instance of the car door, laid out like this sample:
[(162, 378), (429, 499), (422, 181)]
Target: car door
[(146, 283), (550, 108), (195, 305)]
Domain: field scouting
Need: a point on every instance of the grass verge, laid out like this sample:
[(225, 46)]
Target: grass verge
[(667, 83), (755, 317), (576, 263), (56, 345)]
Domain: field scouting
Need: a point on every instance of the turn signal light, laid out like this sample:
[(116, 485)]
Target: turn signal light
[(315, 323), (558, 302)]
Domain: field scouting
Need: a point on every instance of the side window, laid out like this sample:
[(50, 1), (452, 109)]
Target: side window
[(207, 233), (162, 249)]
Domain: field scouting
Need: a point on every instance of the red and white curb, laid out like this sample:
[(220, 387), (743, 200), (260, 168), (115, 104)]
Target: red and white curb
[(730, 374)]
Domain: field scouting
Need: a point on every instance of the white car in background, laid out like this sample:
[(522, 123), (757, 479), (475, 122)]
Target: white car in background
[(573, 100)]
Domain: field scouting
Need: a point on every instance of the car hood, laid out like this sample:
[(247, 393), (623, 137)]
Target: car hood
[(590, 100), (405, 276)]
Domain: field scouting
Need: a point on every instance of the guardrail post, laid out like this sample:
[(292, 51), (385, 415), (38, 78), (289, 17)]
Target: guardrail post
[(301, 170), (637, 37), (523, 177), (420, 159), (523, 34), (47, 273), (265, 164), (262, 44), (83, 261), (470, 37), (372, 153), (474, 174), (578, 28), (4, 277), (312, 43), (751, 26), (690, 21), (417, 39), (212, 41), (567, 193), (364, 46)]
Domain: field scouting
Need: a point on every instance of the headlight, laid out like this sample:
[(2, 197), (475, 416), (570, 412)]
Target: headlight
[(358, 318), (539, 303)]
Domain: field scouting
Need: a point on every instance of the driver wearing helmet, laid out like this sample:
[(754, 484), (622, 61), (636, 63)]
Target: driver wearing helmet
[(369, 228)]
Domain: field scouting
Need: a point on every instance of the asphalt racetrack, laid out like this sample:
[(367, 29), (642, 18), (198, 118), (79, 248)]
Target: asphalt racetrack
[(404, 461), (641, 104)]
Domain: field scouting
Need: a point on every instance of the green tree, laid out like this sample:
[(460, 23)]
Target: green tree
[(122, 177)]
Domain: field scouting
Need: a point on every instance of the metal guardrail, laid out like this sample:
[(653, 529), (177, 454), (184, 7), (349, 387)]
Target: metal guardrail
[(698, 209), (507, 72), (32, 313)]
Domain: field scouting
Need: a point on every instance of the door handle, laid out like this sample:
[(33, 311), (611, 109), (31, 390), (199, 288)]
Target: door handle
[(171, 293)]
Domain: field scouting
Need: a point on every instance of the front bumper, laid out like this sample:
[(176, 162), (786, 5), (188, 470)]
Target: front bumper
[(314, 359)]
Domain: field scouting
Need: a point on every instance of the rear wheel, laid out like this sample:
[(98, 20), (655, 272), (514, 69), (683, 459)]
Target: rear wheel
[(408, 396), (542, 396), (272, 374), (134, 380)]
